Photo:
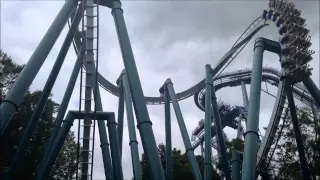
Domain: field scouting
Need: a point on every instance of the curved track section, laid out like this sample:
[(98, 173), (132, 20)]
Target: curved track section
[(270, 75), (225, 60)]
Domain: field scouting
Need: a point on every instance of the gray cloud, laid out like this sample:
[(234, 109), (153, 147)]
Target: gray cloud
[(170, 39)]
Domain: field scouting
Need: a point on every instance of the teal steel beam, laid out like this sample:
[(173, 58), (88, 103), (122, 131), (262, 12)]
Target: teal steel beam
[(297, 132), (251, 135), (167, 116), (142, 116), (220, 136), (244, 95), (120, 115), (114, 146), (15, 95), (207, 124), (131, 128), (56, 146), (104, 143), (184, 133), (236, 165), (62, 110), (32, 124)]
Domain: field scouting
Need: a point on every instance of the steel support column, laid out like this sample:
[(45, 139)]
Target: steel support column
[(236, 165), (220, 136), (32, 124), (131, 128), (251, 135), (184, 133), (167, 115), (120, 115), (62, 110), (14, 97), (297, 132), (245, 98), (56, 146), (143, 119), (104, 143), (207, 124), (115, 149)]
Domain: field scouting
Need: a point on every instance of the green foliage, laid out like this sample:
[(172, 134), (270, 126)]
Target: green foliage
[(181, 167), (65, 166), (286, 160)]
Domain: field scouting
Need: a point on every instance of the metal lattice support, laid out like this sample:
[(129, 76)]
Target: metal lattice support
[(292, 48)]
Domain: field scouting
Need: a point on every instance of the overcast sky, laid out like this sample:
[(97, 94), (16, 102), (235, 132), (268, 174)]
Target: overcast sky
[(169, 38)]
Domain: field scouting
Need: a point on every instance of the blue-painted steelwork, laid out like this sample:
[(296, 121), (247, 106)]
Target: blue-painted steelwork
[(207, 124), (32, 124), (11, 102), (61, 112), (131, 128), (297, 132), (251, 134), (184, 133), (130, 91)]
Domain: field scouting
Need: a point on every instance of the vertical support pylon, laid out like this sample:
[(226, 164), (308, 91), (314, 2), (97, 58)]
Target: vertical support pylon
[(104, 142), (297, 132), (167, 115), (57, 145), (220, 135), (144, 124), (32, 124), (236, 165), (114, 146), (15, 95), (61, 112), (251, 135), (184, 133), (207, 124), (131, 128), (120, 113)]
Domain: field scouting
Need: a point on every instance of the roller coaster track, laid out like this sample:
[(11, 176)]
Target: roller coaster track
[(225, 60), (271, 76), (228, 80)]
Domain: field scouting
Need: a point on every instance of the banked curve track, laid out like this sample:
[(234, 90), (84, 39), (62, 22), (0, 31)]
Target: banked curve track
[(242, 41), (221, 65)]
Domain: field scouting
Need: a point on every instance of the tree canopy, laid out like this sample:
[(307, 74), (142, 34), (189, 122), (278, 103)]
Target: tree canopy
[(181, 167), (65, 165)]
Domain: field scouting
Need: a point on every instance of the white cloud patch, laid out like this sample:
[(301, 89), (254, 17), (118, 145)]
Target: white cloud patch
[(165, 46)]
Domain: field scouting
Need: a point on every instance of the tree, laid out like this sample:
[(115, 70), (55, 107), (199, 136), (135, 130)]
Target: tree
[(65, 165), (286, 160), (181, 167)]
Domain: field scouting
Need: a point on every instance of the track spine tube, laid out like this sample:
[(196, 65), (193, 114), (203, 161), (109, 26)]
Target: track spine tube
[(32, 124), (131, 128), (15, 95), (236, 165), (312, 88), (297, 132), (207, 124), (120, 114), (104, 143), (251, 135), (142, 115), (115, 149), (61, 112), (184, 133), (56, 146)]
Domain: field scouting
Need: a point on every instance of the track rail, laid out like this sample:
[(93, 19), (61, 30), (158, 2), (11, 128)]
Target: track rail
[(224, 61)]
